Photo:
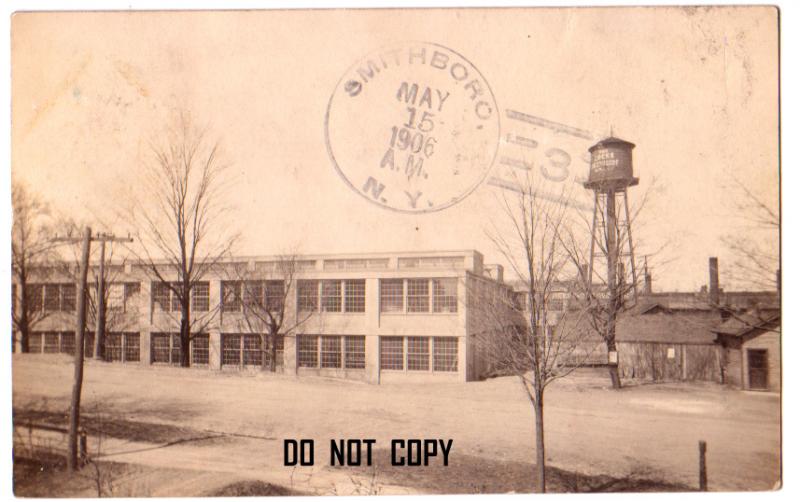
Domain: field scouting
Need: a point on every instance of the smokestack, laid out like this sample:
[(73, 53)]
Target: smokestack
[(648, 283), (713, 280)]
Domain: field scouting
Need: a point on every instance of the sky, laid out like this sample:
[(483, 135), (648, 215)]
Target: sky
[(696, 89)]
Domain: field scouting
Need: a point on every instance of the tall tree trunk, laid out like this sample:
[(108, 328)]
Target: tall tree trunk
[(538, 406), (613, 291), (24, 328), (185, 336), (613, 367), (264, 347), (24, 344), (273, 352)]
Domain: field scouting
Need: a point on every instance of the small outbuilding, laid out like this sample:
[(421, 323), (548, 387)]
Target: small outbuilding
[(751, 350)]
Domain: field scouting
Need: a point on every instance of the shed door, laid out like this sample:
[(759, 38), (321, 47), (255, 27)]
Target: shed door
[(757, 366)]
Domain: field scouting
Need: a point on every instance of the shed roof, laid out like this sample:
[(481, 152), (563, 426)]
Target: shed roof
[(749, 322)]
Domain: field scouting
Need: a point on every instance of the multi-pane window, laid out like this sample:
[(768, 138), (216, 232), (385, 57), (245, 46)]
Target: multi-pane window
[(445, 353), (307, 351), (131, 289), (417, 296), (231, 296), (52, 297), (391, 295), (330, 352), (130, 347), (200, 297), (251, 350), (418, 353), (253, 295), (176, 299), (414, 353), (274, 293), (307, 295), (331, 296), (354, 295), (325, 351), (200, 349), (445, 298), (36, 296), (241, 350), (35, 342), (278, 340), (231, 350), (354, 352), (68, 343), (161, 295), (391, 352), (420, 295), (165, 348), (52, 344), (120, 295), (113, 347), (68, 297)]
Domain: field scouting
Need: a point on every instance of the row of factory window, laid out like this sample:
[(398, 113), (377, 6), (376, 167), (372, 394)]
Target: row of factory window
[(348, 295), (123, 347), (61, 297), (411, 353)]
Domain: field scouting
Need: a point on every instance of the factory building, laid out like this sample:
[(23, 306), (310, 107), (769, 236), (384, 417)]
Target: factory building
[(371, 317)]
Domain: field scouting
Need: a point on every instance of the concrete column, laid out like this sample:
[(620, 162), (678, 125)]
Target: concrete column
[(290, 355), (372, 358), (144, 347), (462, 358), (214, 349)]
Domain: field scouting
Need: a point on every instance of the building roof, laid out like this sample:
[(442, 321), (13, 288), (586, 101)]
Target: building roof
[(748, 322), (658, 326), (611, 140)]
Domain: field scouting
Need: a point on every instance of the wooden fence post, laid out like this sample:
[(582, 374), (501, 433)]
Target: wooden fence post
[(703, 473)]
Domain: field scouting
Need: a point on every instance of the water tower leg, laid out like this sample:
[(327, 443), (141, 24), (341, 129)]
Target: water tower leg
[(630, 247)]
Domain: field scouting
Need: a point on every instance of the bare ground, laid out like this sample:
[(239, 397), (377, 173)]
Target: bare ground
[(643, 437)]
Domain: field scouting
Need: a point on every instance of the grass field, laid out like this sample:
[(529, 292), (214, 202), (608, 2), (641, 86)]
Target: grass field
[(228, 428)]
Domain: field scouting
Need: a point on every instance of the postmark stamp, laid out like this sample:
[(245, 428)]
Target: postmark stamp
[(413, 127)]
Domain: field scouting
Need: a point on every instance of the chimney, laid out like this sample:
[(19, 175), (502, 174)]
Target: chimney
[(648, 283), (713, 280)]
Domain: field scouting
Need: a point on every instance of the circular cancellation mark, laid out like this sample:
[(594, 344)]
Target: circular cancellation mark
[(413, 127)]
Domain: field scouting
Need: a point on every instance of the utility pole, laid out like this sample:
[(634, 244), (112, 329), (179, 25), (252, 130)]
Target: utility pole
[(80, 329), (100, 318), (74, 411)]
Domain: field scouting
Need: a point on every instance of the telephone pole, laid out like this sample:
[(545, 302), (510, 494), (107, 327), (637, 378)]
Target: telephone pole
[(100, 318), (80, 329)]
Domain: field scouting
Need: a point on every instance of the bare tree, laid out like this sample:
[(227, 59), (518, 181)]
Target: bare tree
[(180, 219), (524, 336), (755, 247), (264, 306), (610, 288), (31, 251)]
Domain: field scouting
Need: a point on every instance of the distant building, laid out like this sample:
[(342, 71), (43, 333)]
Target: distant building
[(373, 317), (751, 350), (675, 335)]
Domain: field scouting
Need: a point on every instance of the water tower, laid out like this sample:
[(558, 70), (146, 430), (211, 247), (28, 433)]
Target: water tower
[(610, 175)]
